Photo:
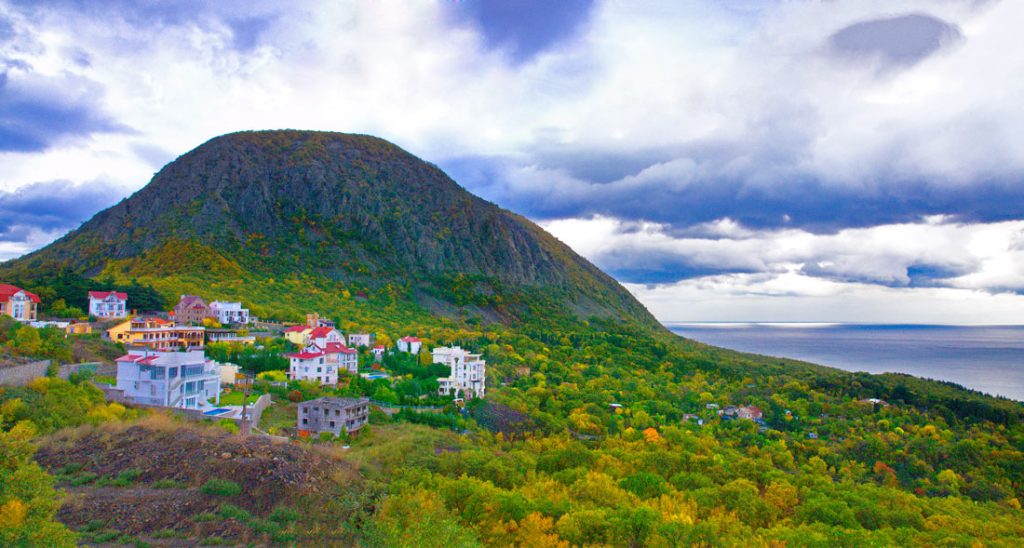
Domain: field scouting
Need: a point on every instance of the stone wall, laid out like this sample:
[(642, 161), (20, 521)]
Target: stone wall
[(22, 374)]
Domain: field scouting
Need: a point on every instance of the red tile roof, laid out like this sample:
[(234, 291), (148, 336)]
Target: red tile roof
[(129, 358), (306, 355), (338, 348), (105, 294), (409, 339), (319, 332), (7, 291), (296, 329)]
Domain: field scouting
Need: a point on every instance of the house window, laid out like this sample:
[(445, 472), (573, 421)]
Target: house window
[(332, 424), (305, 411), (305, 421), (337, 412)]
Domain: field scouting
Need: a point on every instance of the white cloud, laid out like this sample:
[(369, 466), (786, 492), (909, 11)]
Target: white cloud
[(853, 272)]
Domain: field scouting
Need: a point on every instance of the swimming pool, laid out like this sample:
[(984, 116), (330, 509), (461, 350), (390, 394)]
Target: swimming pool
[(216, 412)]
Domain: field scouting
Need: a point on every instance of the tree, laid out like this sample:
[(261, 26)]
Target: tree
[(28, 501)]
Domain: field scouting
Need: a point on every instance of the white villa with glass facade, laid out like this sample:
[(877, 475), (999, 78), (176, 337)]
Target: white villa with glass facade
[(169, 379)]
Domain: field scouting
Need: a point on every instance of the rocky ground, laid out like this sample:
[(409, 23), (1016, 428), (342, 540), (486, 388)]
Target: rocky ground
[(167, 483)]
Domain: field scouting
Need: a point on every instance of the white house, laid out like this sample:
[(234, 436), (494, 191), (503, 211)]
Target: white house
[(467, 378), (345, 358), (355, 340), (229, 313), (322, 336), (324, 363), (378, 353), (108, 304), (411, 345), (169, 379)]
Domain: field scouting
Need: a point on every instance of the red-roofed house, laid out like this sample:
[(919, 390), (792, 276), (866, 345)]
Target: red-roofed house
[(311, 365), (322, 336), (411, 345), (378, 352), (347, 359), (750, 412), (17, 303), (108, 304), (169, 379)]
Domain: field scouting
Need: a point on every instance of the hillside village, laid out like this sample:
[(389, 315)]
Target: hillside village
[(165, 363)]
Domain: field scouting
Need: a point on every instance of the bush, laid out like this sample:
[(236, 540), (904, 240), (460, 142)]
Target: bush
[(205, 516), (168, 484), (229, 425), (284, 514), (221, 487), (230, 511), (295, 396)]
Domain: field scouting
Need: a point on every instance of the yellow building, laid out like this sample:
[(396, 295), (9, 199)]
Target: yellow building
[(157, 334), (79, 328), (298, 335)]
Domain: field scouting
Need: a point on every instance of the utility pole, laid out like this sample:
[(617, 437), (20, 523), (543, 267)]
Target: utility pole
[(244, 430)]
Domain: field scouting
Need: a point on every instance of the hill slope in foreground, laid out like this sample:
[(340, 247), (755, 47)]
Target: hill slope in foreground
[(292, 222)]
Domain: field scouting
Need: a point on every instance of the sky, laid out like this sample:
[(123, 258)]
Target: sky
[(729, 160)]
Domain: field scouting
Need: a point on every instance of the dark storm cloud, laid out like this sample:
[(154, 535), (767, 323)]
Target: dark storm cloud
[(902, 40), (37, 112), (525, 28), (52, 206), (702, 193)]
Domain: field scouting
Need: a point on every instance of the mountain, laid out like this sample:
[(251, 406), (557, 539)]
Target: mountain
[(353, 210)]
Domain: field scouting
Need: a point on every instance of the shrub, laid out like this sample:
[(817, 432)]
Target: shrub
[(205, 516), (284, 514), (83, 478), (229, 425), (295, 396), (221, 487), (230, 511), (168, 484)]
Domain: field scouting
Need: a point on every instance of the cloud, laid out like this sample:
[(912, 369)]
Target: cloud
[(714, 139), (901, 40), (524, 28), (37, 213), (934, 252), (796, 298)]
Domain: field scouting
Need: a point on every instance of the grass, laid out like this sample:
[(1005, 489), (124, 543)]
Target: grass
[(105, 380), (280, 414), (235, 398), (169, 484), (220, 487)]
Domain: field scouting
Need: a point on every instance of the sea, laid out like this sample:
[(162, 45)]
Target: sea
[(985, 358)]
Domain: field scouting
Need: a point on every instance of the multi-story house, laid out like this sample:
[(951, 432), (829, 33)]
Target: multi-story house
[(108, 304), (170, 379), (311, 365), (17, 303), (356, 340), (468, 371), (191, 310), (229, 313), (347, 359), (378, 352), (323, 364), (333, 415), (322, 336), (157, 334), (411, 345)]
